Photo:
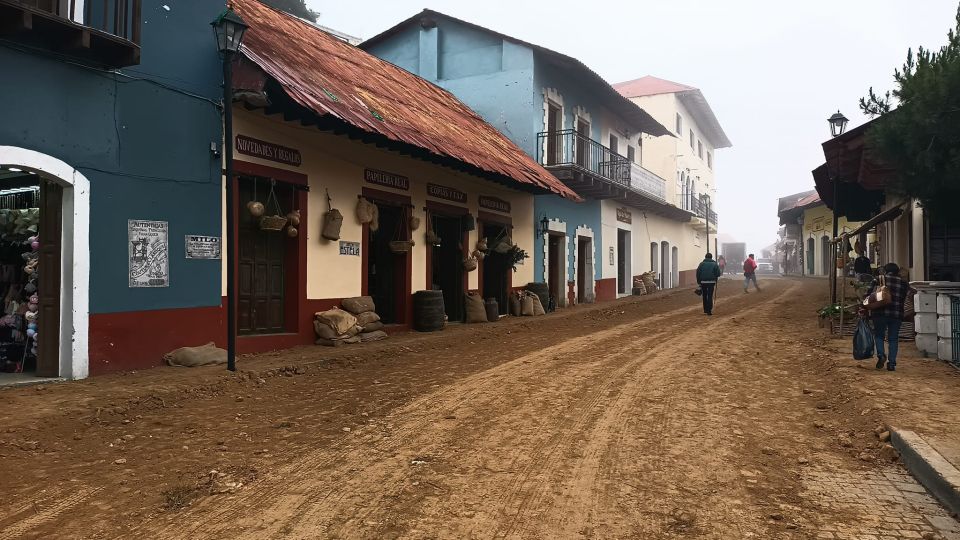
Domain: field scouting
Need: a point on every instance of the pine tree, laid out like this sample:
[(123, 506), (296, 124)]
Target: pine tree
[(297, 8), (918, 132)]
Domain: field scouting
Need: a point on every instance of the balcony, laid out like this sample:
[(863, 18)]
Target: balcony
[(593, 171), (105, 32), (698, 206)]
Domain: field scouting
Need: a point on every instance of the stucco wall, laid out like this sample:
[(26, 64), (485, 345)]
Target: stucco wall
[(817, 223), (144, 147), (337, 164)]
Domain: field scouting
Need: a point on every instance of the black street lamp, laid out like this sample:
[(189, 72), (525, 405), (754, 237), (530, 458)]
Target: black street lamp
[(706, 200), (228, 30), (838, 123)]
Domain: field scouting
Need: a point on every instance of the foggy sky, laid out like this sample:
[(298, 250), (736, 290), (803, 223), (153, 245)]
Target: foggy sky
[(772, 71)]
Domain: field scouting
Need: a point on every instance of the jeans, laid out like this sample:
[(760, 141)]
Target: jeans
[(747, 278), (889, 327), (707, 290)]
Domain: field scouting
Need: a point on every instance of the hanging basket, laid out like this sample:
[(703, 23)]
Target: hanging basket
[(273, 223), (401, 246)]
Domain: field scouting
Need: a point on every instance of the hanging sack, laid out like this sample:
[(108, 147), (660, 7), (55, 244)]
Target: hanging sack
[(482, 244), (469, 223), (414, 223), (470, 264), (332, 222), (365, 210), (476, 312), (862, 341)]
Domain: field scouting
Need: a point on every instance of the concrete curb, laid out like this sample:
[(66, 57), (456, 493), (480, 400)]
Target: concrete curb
[(930, 468)]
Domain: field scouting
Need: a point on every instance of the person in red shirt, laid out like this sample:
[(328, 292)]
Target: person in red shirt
[(750, 273)]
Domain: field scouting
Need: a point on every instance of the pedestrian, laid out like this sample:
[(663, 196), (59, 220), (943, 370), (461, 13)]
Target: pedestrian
[(722, 263), (887, 318), (707, 274), (862, 267), (750, 273)]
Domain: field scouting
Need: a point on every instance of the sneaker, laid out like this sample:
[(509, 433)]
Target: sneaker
[(880, 362), (891, 368)]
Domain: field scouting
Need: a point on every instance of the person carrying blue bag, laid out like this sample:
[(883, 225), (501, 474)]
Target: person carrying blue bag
[(885, 303)]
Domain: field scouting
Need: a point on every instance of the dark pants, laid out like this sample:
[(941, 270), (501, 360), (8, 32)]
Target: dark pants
[(707, 290), (887, 328)]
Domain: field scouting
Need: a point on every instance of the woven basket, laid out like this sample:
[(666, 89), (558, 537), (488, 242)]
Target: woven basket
[(401, 246), (273, 223)]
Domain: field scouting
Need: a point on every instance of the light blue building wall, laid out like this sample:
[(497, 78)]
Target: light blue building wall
[(504, 81)]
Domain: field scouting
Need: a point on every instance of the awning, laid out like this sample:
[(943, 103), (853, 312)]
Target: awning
[(887, 215), (856, 202)]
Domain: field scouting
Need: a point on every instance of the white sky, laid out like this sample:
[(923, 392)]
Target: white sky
[(772, 71)]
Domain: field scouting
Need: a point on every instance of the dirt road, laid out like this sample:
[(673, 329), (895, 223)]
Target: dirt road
[(636, 419)]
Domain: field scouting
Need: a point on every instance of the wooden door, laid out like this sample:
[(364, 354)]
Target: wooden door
[(621, 261), (51, 239), (553, 136), (583, 135), (260, 269), (583, 251), (555, 280)]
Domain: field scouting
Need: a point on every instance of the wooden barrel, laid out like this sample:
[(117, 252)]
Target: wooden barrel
[(428, 311), (543, 291), (493, 309)]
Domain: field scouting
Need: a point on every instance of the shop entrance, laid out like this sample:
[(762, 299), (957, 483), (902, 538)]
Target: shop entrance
[(387, 280), (30, 242), (446, 262), (623, 261), (557, 272), (260, 265), (584, 267), (497, 267)]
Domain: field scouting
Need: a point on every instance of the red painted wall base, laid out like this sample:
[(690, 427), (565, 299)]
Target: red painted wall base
[(688, 277), (606, 289)]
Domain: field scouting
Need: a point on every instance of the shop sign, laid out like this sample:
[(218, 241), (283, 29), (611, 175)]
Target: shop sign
[(448, 193), (202, 247), (624, 215), (493, 203), (390, 180), (350, 248), (264, 150), (148, 250), (611, 256)]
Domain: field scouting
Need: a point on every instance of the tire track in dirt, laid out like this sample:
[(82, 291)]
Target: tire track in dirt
[(16, 525)]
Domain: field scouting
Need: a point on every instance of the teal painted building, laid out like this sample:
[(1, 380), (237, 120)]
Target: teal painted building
[(563, 115)]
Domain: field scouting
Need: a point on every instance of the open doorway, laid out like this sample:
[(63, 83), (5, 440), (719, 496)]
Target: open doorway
[(497, 267), (556, 276), (826, 258), (811, 259), (675, 266), (554, 123), (387, 280), (584, 269), (446, 263), (623, 262), (31, 217)]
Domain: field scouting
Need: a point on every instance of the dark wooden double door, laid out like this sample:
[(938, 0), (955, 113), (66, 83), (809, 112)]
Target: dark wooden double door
[(260, 270)]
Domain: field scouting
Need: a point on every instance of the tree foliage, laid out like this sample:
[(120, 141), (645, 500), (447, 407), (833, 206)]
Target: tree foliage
[(294, 7), (918, 132)]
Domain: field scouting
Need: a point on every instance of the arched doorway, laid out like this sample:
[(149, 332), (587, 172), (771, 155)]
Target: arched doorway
[(675, 265), (666, 275), (654, 256), (811, 266), (65, 249), (825, 257)]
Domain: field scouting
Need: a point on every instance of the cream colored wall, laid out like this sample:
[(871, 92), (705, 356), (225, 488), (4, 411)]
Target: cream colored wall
[(818, 222), (336, 164)]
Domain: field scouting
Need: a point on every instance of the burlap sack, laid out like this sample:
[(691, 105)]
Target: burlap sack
[(526, 305), (514, 303), (376, 335), (327, 332), (196, 356), (476, 312), (337, 319), (337, 342), (368, 317), (358, 304), (538, 306), (372, 326), (332, 221), (365, 210)]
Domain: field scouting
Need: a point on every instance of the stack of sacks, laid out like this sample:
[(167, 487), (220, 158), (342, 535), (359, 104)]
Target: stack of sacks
[(530, 304), (363, 308), (648, 281), (335, 327), (639, 288)]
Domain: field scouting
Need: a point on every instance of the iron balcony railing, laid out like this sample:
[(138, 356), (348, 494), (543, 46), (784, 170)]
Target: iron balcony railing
[(696, 204), (647, 182), (568, 148), (120, 18)]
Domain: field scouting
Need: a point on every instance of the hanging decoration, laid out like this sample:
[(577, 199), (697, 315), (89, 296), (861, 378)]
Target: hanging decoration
[(293, 216), (400, 244), (275, 222), (332, 221), (255, 207)]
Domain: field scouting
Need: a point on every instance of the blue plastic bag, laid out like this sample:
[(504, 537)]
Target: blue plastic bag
[(862, 341)]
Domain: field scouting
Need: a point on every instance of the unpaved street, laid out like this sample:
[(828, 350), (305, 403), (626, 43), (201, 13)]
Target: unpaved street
[(636, 419)]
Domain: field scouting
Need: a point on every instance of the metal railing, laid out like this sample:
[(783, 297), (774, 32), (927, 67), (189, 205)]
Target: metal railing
[(120, 18), (647, 182), (569, 148)]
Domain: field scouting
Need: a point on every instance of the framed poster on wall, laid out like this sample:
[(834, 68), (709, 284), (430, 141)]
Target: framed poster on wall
[(148, 245)]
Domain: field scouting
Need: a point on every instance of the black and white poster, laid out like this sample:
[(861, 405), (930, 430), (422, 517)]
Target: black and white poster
[(202, 247), (149, 249)]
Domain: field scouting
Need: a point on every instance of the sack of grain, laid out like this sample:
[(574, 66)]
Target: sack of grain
[(359, 304), (376, 335), (367, 317), (326, 332), (337, 319), (476, 312), (196, 356)]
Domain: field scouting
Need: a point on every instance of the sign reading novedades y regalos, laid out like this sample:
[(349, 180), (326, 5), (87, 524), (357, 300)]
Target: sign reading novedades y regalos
[(265, 150)]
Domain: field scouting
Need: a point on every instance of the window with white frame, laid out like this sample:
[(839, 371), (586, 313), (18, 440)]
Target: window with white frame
[(709, 160), (679, 124), (692, 138), (700, 148)]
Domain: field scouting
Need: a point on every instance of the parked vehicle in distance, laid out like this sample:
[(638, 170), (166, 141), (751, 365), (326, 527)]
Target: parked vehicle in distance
[(764, 266)]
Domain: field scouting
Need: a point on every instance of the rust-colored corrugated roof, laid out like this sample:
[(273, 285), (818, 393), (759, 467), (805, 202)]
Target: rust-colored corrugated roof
[(335, 79)]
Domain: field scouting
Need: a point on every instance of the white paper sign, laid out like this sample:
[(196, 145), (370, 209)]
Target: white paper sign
[(202, 247), (149, 249)]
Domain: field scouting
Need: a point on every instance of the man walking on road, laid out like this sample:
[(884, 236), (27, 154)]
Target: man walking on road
[(707, 274), (750, 273)]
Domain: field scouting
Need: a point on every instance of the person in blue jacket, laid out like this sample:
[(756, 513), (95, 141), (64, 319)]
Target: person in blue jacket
[(707, 275)]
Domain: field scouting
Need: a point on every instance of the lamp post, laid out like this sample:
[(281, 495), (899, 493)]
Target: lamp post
[(706, 199), (228, 29), (838, 123)]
